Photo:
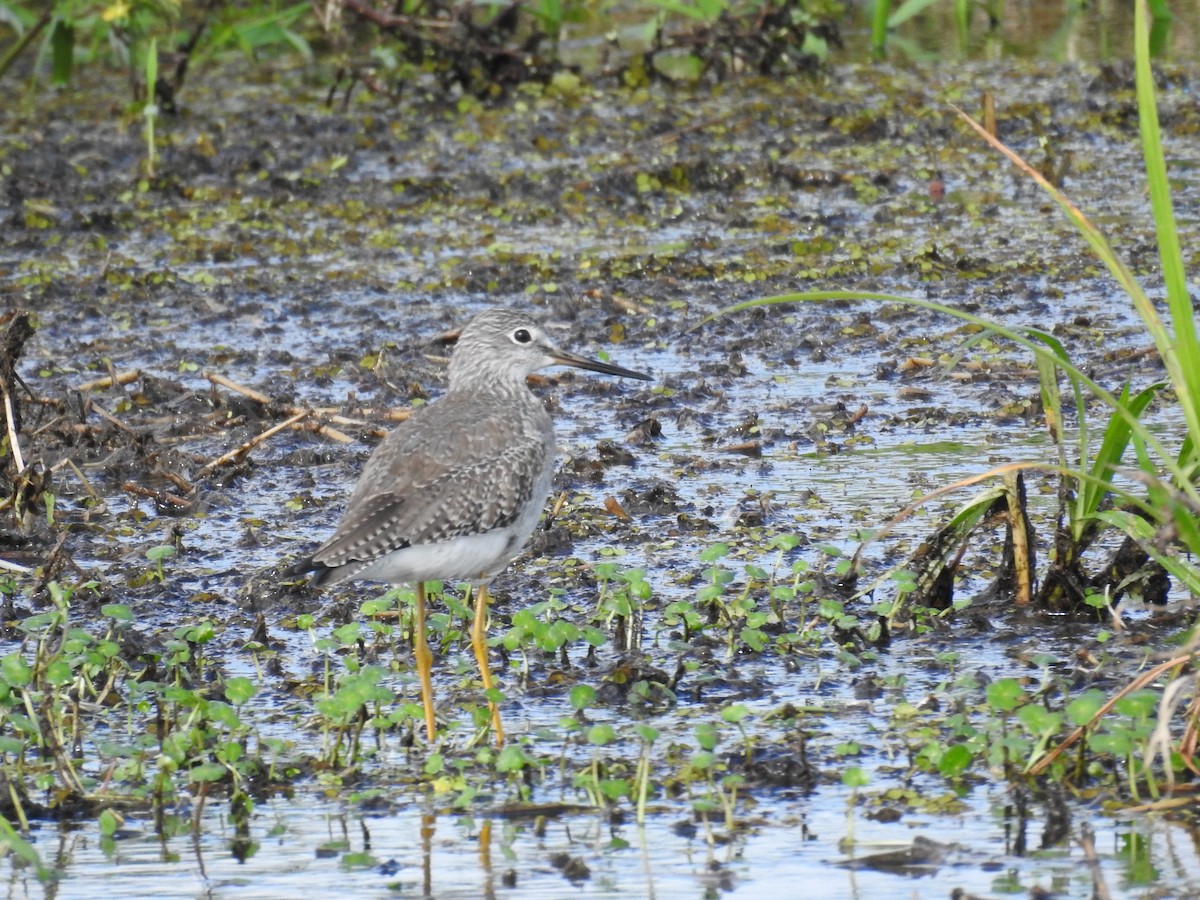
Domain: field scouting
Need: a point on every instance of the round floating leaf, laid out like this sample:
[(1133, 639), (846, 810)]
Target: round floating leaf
[(614, 788), (1039, 720), (58, 672), (1082, 709), (599, 735), (1138, 705), (1005, 694), (647, 733), (14, 670), (206, 772), (784, 542), (118, 611), (955, 761), (734, 714), (855, 777), (582, 696), (511, 759), (707, 735), (109, 823), (239, 689)]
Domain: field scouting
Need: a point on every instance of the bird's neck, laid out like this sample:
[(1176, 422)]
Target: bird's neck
[(503, 387)]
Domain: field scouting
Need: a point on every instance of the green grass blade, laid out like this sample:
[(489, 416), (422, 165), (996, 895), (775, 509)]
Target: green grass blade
[(1094, 237), (879, 26), (962, 21), (62, 52), (21, 848), (1181, 355), (151, 109), (1160, 11), (1112, 450), (1052, 397), (906, 11)]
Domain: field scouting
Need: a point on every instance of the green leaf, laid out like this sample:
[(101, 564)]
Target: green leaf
[(906, 11), (511, 759), (109, 823), (600, 735), (582, 696), (62, 51), (707, 735), (206, 772), (855, 777), (118, 611), (1180, 351), (58, 672), (1139, 705), (11, 744), (239, 689), (784, 542), (1119, 744), (15, 670), (614, 788), (647, 733), (734, 714), (955, 760), (1005, 695), (1038, 720), (1082, 709)]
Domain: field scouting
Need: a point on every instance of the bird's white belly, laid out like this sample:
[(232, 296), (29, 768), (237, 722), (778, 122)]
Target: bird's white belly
[(474, 557)]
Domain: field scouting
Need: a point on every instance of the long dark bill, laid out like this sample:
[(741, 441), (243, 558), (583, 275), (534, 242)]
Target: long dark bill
[(595, 365)]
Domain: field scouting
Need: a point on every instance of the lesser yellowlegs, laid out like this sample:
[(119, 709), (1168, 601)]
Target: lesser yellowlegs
[(454, 492)]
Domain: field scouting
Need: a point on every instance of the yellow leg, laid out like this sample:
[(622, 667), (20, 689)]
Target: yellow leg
[(479, 645), (424, 657)]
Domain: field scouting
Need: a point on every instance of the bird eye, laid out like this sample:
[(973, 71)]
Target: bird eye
[(522, 336)]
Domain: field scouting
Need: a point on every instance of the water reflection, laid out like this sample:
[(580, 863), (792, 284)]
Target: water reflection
[(293, 848), (1029, 29)]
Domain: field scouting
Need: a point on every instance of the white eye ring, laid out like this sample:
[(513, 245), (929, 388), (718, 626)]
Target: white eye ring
[(522, 336)]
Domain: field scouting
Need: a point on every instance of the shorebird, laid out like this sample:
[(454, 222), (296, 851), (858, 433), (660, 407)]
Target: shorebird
[(454, 492)]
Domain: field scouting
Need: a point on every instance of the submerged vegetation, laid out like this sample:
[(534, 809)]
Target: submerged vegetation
[(692, 636)]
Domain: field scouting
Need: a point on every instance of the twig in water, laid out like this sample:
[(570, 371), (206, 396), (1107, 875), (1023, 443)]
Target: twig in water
[(243, 449)]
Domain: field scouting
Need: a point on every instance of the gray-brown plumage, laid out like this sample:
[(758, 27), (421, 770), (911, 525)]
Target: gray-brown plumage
[(454, 492)]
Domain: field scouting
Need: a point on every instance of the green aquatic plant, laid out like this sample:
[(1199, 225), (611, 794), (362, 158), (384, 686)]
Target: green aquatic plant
[(156, 555), (1155, 507), (887, 16), (132, 33), (1169, 504)]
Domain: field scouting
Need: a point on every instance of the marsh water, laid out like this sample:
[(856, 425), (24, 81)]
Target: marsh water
[(317, 255)]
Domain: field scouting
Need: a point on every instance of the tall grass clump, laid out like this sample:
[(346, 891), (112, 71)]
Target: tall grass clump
[(1154, 509)]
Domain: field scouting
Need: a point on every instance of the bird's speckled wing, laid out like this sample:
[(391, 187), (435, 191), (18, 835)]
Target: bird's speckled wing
[(464, 471)]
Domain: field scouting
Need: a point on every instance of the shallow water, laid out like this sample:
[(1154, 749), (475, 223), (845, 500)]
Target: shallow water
[(315, 846)]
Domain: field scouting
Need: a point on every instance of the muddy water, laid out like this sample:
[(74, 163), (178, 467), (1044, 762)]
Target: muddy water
[(319, 263)]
